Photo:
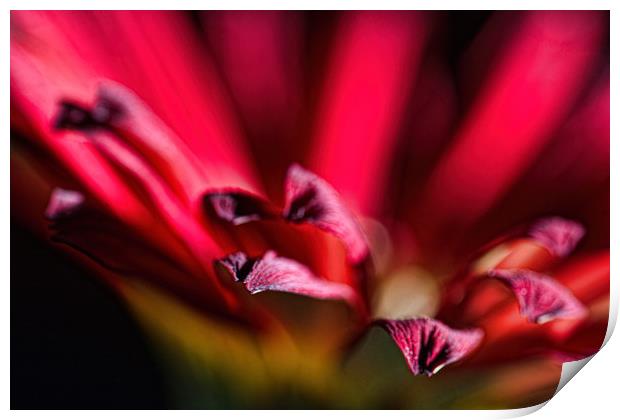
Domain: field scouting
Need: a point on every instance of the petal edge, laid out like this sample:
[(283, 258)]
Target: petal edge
[(275, 273), (541, 298), (429, 345)]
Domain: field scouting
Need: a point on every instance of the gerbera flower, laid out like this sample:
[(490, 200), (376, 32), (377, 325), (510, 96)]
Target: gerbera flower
[(241, 178)]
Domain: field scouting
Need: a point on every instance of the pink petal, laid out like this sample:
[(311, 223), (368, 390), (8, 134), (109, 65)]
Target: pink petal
[(238, 207), (560, 236), (270, 97), (274, 273), (162, 59), (428, 345), (541, 298), (533, 84), (63, 203), (148, 154), (40, 79), (139, 126), (573, 166), (169, 208), (311, 199), (165, 50), (372, 67)]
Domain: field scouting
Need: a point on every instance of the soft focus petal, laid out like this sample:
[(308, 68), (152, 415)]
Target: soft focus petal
[(541, 298), (42, 74), (570, 176), (532, 86), (270, 96), (162, 60), (370, 71)]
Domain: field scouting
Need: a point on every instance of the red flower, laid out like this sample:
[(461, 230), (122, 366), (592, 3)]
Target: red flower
[(132, 117)]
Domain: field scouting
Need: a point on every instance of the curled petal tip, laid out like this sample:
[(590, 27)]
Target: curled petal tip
[(311, 199), (63, 203), (540, 297), (237, 207), (429, 345), (274, 273), (238, 265), (560, 236)]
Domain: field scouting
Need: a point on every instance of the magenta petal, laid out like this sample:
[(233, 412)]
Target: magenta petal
[(428, 345), (311, 199), (63, 203), (560, 236), (541, 298), (275, 273), (238, 265), (237, 207)]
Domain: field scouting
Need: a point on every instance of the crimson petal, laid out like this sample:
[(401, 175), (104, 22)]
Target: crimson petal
[(560, 236), (541, 298), (428, 345), (311, 199), (76, 116), (275, 273)]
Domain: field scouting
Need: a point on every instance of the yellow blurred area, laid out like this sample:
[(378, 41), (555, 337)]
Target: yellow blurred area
[(258, 369)]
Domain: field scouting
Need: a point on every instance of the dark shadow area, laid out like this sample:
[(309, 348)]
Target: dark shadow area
[(74, 345)]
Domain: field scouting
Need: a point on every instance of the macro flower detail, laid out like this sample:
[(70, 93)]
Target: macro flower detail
[(272, 272), (310, 199), (237, 207), (433, 174), (541, 298), (429, 345), (559, 235)]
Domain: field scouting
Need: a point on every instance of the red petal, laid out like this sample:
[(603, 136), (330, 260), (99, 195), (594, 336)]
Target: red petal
[(38, 83), (271, 96), (559, 236), (63, 203), (275, 273), (371, 69), (428, 345), (541, 298), (106, 240), (532, 86), (140, 127), (311, 199)]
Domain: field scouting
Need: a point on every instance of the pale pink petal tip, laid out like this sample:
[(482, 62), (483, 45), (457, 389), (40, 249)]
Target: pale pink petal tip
[(273, 273), (560, 236), (63, 203), (237, 207), (428, 345), (311, 199), (541, 298)]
